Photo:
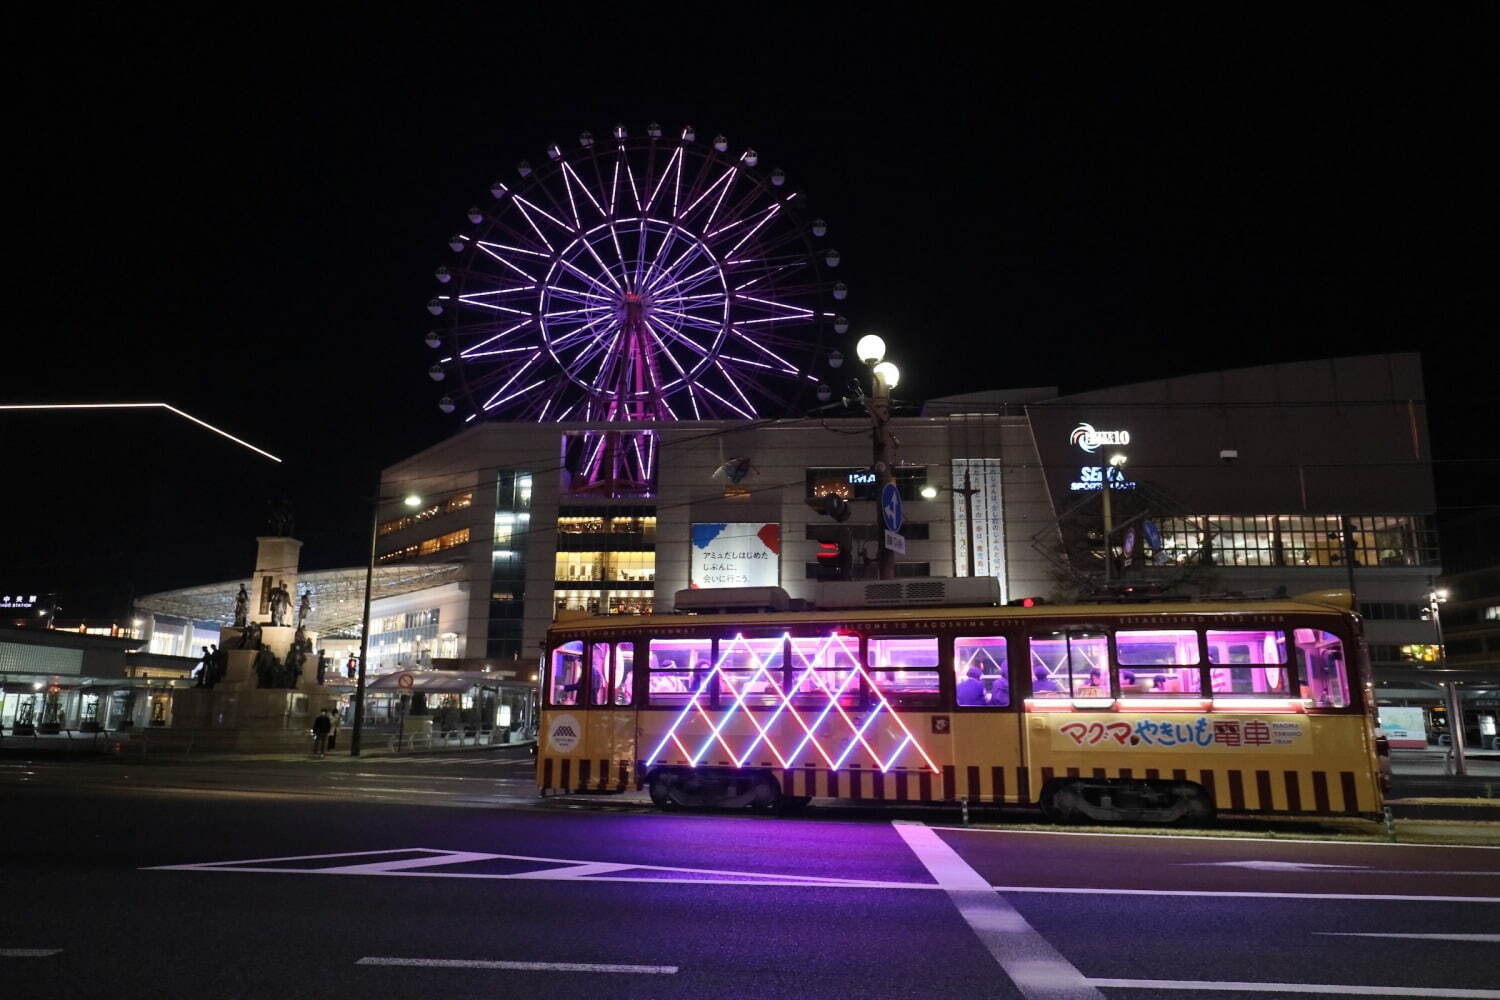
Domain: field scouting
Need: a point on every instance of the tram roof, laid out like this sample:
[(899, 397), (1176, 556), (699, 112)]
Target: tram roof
[(1334, 602)]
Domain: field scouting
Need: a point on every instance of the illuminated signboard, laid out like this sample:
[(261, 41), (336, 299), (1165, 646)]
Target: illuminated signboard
[(18, 600), (1093, 477), (1085, 437), (735, 555)]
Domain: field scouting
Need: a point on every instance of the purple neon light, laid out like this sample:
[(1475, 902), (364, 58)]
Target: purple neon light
[(641, 291), (854, 669)]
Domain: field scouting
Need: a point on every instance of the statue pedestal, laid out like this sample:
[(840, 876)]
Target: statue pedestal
[(238, 714)]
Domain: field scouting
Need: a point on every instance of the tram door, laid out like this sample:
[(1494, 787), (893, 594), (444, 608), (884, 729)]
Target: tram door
[(986, 723), (611, 717)]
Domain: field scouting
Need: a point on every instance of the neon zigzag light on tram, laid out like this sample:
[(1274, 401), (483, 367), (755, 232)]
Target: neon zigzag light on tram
[(765, 671)]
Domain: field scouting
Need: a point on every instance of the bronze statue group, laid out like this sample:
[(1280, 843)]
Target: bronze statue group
[(270, 671)]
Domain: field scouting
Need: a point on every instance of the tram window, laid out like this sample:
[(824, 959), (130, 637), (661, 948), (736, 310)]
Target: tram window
[(1064, 663), (980, 671), (1248, 662), (1320, 664), (598, 673), (905, 670), (1158, 662), (750, 669), (824, 666), (678, 668), (624, 673), (567, 674)]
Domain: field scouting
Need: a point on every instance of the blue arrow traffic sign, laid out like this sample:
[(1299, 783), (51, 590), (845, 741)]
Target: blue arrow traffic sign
[(890, 507)]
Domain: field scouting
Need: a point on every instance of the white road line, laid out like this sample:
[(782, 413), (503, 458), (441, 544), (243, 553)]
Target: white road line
[(29, 952), (1322, 869), (1038, 969), (1486, 938), (403, 864), (1218, 839), (1321, 989), (1381, 897), (465, 963)]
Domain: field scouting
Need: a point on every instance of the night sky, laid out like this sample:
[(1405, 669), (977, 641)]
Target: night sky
[(242, 217)]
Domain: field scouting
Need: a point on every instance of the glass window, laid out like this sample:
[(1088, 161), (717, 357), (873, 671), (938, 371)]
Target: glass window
[(980, 671), (905, 671), (750, 670), (624, 682), (1064, 663), (1158, 662), (567, 674), (599, 673), (1251, 662), (825, 666), (678, 668), (1321, 666)]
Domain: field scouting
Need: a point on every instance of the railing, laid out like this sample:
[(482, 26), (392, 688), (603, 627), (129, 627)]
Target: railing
[(74, 741), (398, 742)]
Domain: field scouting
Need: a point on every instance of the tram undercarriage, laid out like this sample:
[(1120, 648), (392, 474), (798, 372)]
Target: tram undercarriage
[(1116, 800)]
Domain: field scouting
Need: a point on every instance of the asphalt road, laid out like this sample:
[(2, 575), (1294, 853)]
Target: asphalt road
[(378, 879)]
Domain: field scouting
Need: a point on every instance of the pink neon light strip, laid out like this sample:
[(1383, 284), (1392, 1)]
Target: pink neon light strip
[(785, 704)]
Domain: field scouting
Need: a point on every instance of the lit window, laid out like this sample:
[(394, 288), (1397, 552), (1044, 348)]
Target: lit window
[(567, 675), (1064, 663), (1321, 666), (980, 672), (678, 667), (1252, 662), (905, 671), (750, 670), (599, 673), (624, 681), (1157, 662), (824, 666)]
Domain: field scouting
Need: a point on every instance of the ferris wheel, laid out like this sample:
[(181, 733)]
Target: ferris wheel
[(636, 279)]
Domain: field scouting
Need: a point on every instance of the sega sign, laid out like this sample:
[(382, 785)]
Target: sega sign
[(1089, 439)]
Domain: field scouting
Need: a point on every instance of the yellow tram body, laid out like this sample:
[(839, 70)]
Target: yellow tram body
[(1242, 707)]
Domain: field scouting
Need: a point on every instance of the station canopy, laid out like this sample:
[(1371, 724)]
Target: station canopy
[(337, 595)]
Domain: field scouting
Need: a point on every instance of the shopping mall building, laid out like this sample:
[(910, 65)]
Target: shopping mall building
[(1283, 478)]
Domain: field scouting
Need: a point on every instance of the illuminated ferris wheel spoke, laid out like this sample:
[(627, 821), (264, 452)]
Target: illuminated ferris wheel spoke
[(673, 165), (735, 385), (621, 277), (748, 416), (706, 193), (520, 370)]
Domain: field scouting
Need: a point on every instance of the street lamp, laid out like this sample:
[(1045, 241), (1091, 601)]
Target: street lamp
[(410, 500), (967, 491), (884, 375)]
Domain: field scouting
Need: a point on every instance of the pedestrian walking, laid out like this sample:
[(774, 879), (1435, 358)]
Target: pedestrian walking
[(333, 727), (320, 728)]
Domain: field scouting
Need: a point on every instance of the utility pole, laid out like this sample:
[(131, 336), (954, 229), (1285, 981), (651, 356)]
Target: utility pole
[(968, 494), (883, 465), (364, 632), (1109, 521)]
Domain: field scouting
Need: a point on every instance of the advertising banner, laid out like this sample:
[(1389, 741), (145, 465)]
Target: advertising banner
[(1406, 728), (1180, 732), (742, 554)]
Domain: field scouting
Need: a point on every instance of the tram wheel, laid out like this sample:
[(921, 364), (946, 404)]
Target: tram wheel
[(767, 794), (793, 803), (660, 790)]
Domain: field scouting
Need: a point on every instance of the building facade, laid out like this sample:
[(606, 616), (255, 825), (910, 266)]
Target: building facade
[(1282, 478)]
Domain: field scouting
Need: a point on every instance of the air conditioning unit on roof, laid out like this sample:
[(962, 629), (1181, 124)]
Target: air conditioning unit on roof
[(933, 591)]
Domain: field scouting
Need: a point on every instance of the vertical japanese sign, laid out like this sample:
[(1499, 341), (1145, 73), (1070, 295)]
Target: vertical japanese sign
[(736, 554), (989, 521)]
